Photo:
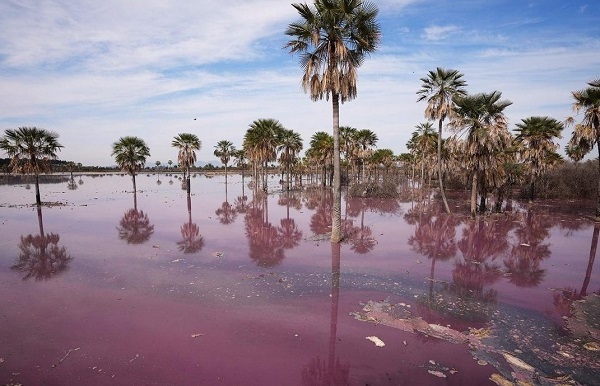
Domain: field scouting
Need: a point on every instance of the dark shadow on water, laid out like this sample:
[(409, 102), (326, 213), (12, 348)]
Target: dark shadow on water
[(41, 257)]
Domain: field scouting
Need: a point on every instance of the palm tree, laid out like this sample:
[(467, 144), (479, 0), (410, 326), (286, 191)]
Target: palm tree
[(186, 143), (260, 144), (482, 117), (586, 134), (130, 154), (31, 150), (333, 37), (422, 146), (224, 150), (290, 144), (365, 139), (321, 150), (537, 147), (439, 88)]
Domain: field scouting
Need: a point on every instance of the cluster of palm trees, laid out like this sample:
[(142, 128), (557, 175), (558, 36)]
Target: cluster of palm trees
[(481, 151)]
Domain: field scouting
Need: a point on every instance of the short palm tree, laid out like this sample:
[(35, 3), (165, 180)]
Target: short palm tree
[(365, 140), (586, 133), (290, 144), (321, 151), (535, 138), (333, 37), (31, 151), (224, 150), (260, 145), (482, 118), (130, 154), (439, 88), (187, 144)]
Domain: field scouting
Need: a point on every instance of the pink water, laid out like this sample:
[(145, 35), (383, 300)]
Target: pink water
[(255, 300)]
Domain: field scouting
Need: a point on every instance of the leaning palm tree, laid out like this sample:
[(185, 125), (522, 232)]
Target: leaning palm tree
[(439, 88), (130, 154), (586, 133), (224, 150), (187, 144), (333, 37), (290, 144), (535, 139), (31, 151)]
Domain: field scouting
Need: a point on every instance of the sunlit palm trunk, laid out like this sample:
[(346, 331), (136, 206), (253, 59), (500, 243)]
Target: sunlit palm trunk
[(439, 159), (336, 213), (474, 195)]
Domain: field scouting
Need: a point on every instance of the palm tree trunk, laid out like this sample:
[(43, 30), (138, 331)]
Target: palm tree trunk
[(440, 177), (598, 190), (336, 213), (588, 272), (134, 186), (474, 195), (40, 220), (335, 298), (38, 198)]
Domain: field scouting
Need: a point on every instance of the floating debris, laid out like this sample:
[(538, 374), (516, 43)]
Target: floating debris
[(197, 335), (438, 374), (378, 342)]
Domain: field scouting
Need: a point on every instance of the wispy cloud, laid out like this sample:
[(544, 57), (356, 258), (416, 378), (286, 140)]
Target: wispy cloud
[(439, 32)]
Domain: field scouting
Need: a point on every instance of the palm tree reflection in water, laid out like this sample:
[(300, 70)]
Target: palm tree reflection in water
[(192, 241), (331, 372), (135, 226), (41, 257)]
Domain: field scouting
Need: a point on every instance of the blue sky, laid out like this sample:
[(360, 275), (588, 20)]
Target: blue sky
[(94, 71)]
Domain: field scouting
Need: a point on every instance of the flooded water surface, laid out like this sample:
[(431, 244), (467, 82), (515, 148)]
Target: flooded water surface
[(231, 286)]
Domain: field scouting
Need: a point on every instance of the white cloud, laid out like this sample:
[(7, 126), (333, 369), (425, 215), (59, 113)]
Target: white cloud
[(437, 32)]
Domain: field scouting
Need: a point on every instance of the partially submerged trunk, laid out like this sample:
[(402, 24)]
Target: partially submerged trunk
[(336, 213)]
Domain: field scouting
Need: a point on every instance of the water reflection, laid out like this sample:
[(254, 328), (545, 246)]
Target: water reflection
[(523, 261), (226, 213), (135, 227), (332, 372), (71, 184), (41, 257), (267, 242), (191, 239)]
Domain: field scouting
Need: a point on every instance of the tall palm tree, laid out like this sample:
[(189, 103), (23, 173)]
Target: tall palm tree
[(586, 133), (224, 149), (535, 139), (260, 144), (333, 37), (290, 144), (31, 151), (130, 154), (482, 117), (439, 88), (187, 144)]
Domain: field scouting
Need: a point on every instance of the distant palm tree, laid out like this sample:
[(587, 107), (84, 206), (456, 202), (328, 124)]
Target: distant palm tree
[(537, 147), (260, 145), (186, 143), (31, 150), (422, 146), (130, 154), (439, 88), (333, 37), (482, 117), (365, 140), (224, 150), (586, 134), (290, 144), (321, 151)]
